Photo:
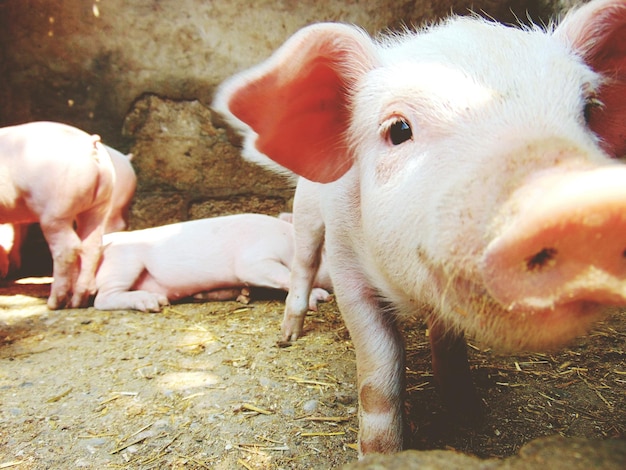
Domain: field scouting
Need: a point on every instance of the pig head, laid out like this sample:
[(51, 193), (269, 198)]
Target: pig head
[(468, 176), (58, 175)]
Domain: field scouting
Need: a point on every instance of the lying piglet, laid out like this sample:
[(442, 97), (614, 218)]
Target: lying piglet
[(145, 269), (58, 175), (468, 178), (12, 235)]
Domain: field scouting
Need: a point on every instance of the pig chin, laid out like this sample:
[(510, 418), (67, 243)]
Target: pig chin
[(526, 329)]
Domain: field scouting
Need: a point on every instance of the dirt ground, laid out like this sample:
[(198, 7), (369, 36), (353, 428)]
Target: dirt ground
[(204, 385)]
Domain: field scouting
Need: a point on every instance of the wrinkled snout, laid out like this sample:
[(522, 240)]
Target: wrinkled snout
[(565, 243)]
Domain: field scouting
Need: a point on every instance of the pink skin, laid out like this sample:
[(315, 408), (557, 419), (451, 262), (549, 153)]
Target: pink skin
[(473, 185), (125, 185), (146, 269), (12, 235), (58, 175)]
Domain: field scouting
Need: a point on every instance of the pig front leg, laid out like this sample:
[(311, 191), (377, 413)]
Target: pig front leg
[(4, 262), (303, 269), (308, 229), (452, 373), (141, 300), (15, 255), (11, 238), (272, 273), (6, 244), (119, 271), (379, 352)]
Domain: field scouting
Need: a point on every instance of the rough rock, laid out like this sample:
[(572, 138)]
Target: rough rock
[(188, 169), (554, 453)]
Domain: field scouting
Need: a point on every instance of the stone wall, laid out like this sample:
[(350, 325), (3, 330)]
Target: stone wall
[(142, 74)]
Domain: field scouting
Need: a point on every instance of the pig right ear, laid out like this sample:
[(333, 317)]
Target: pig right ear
[(597, 32), (295, 106)]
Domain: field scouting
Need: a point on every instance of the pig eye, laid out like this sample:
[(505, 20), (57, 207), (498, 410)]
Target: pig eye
[(400, 131)]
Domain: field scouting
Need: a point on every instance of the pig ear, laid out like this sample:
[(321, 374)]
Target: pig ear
[(597, 31), (294, 107)]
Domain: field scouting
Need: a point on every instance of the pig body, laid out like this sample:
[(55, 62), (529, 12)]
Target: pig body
[(463, 173), (123, 191), (12, 235), (145, 269), (58, 175)]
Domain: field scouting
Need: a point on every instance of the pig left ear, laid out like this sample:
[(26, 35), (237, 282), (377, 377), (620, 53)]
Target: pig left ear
[(295, 107), (597, 32)]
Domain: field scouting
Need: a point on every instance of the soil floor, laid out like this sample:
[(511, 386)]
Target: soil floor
[(205, 385)]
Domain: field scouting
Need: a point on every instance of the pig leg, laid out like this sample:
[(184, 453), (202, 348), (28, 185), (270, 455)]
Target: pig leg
[(15, 255), (11, 237), (218, 295), (318, 295), (379, 352), (119, 299), (274, 274), (119, 272), (452, 373), (4, 262), (303, 268), (65, 246), (308, 243), (90, 228), (7, 236)]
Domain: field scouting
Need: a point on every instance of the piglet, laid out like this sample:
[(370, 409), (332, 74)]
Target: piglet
[(12, 235), (464, 172), (145, 269), (123, 191), (58, 175)]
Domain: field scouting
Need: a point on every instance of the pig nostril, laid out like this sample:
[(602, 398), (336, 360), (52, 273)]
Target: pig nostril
[(542, 259)]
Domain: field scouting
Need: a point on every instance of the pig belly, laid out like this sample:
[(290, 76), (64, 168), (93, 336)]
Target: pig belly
[(177, 284)]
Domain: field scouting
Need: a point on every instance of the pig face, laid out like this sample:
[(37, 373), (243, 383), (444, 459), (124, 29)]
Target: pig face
[(470, 176), (471, 144)]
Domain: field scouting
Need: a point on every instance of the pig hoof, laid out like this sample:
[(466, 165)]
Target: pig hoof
[(152, 305), (243, 299), (292, 326), (78, 301), (57, 302), (291, 334), (317, 295)]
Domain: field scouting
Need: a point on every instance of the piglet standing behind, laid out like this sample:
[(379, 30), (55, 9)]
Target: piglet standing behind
[(145, 269), (468, 178), (58, 175), (123, 191), (12, 236)]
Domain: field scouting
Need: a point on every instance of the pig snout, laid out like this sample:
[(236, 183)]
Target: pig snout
[(563, 248)]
